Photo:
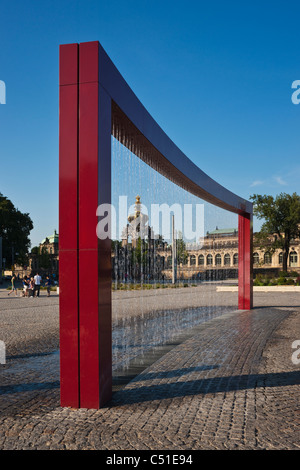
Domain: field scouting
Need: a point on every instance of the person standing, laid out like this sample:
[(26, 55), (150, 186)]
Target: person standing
[(25, 286), (37, 284), (31, 288), (48, 285)]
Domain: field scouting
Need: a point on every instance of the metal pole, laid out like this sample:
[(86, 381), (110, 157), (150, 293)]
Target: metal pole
[(174, 254)]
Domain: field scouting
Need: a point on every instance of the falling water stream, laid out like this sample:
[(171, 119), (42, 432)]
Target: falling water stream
[(146, 324)]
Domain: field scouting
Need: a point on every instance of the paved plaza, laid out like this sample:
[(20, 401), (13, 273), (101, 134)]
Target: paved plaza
[(232, 384)]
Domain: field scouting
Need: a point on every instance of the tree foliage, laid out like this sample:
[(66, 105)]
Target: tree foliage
[(281, 225), (182, 254), (44, 258), (15, 228)]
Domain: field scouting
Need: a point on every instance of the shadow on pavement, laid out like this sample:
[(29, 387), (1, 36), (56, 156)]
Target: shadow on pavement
[(28, 387), (170, 373), (204, 386)]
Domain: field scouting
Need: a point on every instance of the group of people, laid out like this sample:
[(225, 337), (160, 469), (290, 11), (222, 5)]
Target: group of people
[(31, 285)]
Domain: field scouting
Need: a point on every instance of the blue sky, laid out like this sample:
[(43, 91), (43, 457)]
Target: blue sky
[(216, 76)]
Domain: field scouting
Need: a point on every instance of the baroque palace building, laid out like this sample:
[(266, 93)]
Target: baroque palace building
[(216, 255), (220, 251), (48, 247)]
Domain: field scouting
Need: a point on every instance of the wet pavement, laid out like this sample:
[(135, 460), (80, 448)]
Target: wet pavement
[(232, 384)]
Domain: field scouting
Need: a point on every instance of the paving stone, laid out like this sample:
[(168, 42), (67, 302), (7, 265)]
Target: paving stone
[(232, 385)]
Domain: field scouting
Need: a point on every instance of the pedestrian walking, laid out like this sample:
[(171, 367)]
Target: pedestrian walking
[(13, 285), (37, 284), (48, 285)]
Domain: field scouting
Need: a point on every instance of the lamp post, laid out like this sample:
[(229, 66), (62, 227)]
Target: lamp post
[(174, 257)]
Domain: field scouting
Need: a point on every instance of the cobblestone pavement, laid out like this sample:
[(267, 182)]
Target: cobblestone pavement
[(232, 385)]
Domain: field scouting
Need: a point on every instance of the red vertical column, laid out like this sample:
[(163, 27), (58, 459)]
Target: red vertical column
[(68, 219), (94, 254), (104, 252), (245, 291)]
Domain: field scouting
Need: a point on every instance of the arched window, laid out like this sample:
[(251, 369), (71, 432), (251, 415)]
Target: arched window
[(235, 259), (255, 258), (293, 259), (227, 259), (200, 260), (192, 260), (218, 260), (209, 260), (267, 258), (280, 258)]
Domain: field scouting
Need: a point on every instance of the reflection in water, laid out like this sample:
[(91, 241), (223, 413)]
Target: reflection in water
[(135, 337)]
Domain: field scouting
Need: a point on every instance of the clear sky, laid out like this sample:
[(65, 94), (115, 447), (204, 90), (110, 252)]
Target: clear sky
[(216, 76)]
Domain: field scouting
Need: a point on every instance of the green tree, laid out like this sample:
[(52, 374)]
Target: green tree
[(182, 254), (42, 256), (281, 225), (140, 252), (15, 228), (35, 250)]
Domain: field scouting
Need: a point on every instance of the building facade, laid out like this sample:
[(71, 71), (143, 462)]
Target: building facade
[(216, 256), (219, 251), (47, 258)]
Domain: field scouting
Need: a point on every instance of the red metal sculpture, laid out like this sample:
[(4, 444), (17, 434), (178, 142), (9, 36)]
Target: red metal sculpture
[(96, 102)]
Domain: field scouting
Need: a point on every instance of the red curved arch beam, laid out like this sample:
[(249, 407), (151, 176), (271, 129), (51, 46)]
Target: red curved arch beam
[(95, 102)]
